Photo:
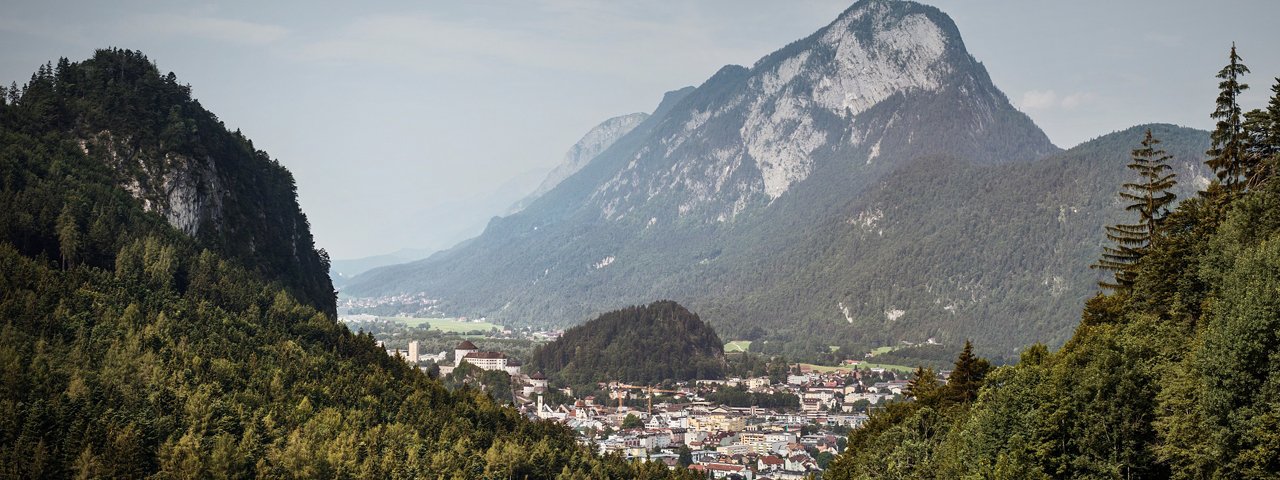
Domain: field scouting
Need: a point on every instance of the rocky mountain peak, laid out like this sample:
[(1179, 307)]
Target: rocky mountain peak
[(746, 137)]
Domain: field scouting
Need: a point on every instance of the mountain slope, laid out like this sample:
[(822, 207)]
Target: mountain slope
[(131, 348), (743, 198), (597, 140)]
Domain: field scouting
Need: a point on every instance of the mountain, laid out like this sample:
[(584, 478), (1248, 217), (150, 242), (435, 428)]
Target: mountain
[(157, 285), (645, 344), (597, 140), (179, 162), (864, 185)]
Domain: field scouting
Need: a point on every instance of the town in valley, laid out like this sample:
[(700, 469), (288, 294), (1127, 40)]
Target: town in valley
[(788, 423)]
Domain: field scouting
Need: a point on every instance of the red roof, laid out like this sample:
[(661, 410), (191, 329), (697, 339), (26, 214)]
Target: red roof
[(771, 460), (538, 376), (466, 345)]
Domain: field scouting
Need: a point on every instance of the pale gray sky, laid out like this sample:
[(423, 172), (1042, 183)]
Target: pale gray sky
[(390, 112)]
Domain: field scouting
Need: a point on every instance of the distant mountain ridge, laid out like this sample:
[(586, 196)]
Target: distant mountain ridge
[(597, 140), (772, 199)]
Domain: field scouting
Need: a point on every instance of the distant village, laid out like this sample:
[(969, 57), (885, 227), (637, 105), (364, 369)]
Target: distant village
[(723, 441)]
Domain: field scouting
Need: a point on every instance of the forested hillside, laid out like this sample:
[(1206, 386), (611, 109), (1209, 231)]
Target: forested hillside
[(1175, 372), (136, 343), (646, 344)]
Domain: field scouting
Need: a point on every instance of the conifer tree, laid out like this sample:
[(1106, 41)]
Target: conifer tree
[(1149, 198), (967, 376), (1227, 153), (923, 386), (1262, 134)]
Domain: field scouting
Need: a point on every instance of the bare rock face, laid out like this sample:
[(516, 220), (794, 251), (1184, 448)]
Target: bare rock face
[(185, 191)]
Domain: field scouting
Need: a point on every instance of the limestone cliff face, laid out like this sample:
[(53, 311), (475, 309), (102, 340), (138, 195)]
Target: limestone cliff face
[(184, 190)]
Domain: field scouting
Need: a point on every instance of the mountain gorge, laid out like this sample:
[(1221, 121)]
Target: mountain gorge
[(863, 185)]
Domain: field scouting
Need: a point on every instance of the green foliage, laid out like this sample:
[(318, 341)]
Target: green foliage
[(739, 397), (632, 421), (648, 344), (966, 376)]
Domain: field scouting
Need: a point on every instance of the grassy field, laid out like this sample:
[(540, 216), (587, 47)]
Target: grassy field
[(895, 368), (737, 346), (880, 350), (447, 325)]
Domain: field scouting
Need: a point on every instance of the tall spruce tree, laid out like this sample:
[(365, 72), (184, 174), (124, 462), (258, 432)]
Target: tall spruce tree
[(1149, 198), (1227, 155), (967, 376)]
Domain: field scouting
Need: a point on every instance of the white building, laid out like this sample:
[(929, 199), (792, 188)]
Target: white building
[(413, 352)]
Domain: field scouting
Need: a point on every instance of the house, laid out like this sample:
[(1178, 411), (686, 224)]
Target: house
[(770, 463), (723, 470)]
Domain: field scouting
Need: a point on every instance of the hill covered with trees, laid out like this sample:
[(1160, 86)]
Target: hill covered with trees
[(644, 344), (144, 333), (1175, 373)]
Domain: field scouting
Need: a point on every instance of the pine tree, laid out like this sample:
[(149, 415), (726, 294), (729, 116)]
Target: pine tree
[(1227, 153), (68, 236), (967, 376), (923, 386), (1150, 199)]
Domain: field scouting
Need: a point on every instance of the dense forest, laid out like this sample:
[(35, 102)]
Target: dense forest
[(647, 344), (134, 343), (1173, 373)]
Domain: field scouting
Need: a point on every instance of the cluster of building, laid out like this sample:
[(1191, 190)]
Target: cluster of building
[(721, 441), (749, 442)]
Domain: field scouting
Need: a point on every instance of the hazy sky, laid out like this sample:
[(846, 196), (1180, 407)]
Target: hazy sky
[(385, 111)]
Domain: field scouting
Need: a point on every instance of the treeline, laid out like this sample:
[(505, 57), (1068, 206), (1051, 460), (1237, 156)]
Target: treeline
[(649, 344), (1173, 374), (130, 350), (738, 396)]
